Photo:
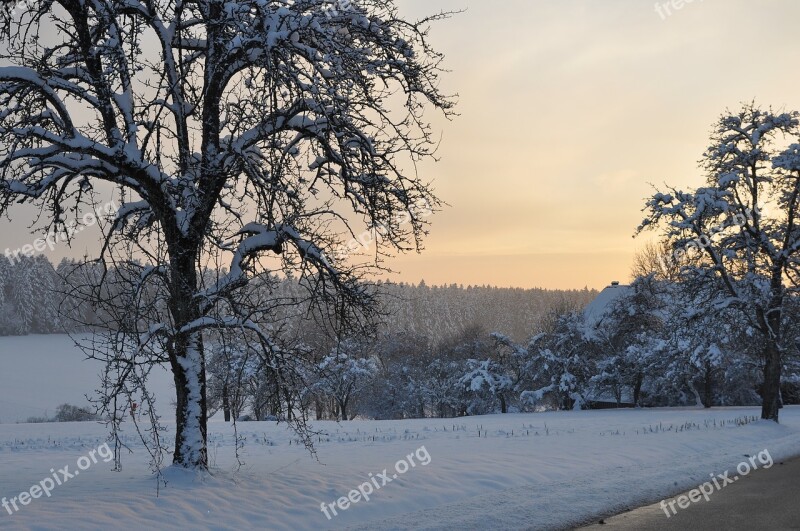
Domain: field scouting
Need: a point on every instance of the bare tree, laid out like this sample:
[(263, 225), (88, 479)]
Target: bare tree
[(262, 133), (656, 259)]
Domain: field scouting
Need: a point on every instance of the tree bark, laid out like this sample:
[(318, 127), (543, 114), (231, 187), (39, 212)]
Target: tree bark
[(637, 389), (191, 407), (188, 361), (771, 321), (770, 392), (708, 387), (226, 404)]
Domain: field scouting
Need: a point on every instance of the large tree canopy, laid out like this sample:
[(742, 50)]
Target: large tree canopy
[(738, 237), (234, 131)]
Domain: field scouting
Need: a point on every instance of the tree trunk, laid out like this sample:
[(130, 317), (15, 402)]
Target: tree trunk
[(637, 389), (189, 373), (503, 405), (567, 402), (226, 404), (187, 358), (770, 392), (236, 406), (289, 411), (708, 387)]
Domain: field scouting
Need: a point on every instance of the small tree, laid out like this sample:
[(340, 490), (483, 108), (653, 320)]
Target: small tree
[(560, 365), (489, 376), (440, 387), (627, 337), (70, 413), (229, 369), (344, 373)]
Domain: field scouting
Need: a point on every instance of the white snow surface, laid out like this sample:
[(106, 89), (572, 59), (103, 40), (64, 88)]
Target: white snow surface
[(524, 471), (596, 310), (41, 372)]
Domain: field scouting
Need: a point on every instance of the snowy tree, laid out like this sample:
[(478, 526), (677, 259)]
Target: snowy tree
[(398, 391), (561, 365), (511, 370), (706, 355), (228, 372), (254, 132), (8, 315), (45, 295), (740, 232), (343, 374), (629, 336), (490, 376), (442, 388), (31, 294)]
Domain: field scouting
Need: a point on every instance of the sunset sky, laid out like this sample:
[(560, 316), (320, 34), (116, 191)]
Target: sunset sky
[(568, 110)]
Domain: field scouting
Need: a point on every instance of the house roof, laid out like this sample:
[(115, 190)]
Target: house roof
[(601, 305)]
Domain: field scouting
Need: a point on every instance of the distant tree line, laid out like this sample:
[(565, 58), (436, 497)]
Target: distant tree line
[(67, 413), (711, 317), (30, 296), (656, 344), (37, 297)]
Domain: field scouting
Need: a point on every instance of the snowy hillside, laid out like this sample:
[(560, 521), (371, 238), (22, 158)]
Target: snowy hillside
[(41, 372)]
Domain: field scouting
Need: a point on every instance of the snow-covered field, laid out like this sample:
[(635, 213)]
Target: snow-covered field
[(38, 373), (546, 470)]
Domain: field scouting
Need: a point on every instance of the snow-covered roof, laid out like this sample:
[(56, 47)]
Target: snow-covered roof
[(601, 305)]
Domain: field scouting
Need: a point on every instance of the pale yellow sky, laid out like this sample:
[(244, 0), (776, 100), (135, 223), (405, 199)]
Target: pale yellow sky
[(569, 108)]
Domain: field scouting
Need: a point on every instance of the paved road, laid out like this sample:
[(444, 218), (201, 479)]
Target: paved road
[(765, 499)]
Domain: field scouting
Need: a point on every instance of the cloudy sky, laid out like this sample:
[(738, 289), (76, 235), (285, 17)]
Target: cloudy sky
[(569, 109)]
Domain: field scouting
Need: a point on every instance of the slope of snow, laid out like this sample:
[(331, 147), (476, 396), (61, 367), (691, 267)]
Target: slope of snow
[(41, 372), (540, 471)]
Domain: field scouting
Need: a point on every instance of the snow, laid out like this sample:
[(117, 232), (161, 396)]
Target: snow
[(789, 159), (601, 305), (537, 470), (525, 470), (40, 372)]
